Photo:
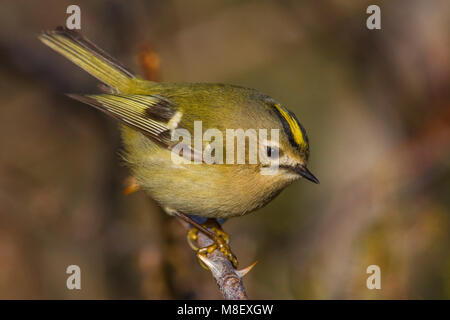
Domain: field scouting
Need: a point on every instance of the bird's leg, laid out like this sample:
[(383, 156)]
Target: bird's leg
[(215, 232)]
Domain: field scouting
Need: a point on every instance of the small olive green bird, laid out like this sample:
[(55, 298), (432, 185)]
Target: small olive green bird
[(151, 112)]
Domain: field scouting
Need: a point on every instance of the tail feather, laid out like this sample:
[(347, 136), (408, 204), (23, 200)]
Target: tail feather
[(89, 57)]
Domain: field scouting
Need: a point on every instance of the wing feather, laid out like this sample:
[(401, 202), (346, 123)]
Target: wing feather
[(148, 114)]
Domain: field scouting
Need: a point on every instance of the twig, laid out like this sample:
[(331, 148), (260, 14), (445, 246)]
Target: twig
[(228, 279)]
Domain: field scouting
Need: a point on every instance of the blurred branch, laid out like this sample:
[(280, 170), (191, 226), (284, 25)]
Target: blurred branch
[(150, 63)]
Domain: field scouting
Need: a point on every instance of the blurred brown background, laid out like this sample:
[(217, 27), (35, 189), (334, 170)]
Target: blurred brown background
[(376, 105)]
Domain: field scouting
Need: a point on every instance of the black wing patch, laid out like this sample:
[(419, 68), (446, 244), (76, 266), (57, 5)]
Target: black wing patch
[(162, 111)]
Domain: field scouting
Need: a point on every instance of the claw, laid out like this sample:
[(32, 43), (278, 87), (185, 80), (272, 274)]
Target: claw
[(221, 241), (192, 235), (225, 236), (207, 263)]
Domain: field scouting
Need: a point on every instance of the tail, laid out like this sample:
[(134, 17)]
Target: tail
[(89, 57)]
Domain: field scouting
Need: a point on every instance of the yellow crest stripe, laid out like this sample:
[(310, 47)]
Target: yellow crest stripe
[(293, 125)]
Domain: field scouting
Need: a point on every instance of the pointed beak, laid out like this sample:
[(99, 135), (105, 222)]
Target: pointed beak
[(305, 173)]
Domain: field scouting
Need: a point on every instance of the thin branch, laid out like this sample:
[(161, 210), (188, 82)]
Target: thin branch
[(228, 279)]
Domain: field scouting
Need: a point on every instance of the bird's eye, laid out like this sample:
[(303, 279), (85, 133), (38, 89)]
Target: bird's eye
[(272, 152)]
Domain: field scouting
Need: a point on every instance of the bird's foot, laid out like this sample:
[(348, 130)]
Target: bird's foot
[(221, 241)]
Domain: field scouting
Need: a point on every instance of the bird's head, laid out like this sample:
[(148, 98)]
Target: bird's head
[(288, 155)]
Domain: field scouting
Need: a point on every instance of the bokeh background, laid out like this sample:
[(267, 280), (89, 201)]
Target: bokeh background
[(376, 105)]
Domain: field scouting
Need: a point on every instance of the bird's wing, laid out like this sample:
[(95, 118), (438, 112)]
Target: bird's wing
[(152, 115)]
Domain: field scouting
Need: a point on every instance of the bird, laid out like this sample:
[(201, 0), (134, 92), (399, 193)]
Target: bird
[(151, 114)]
